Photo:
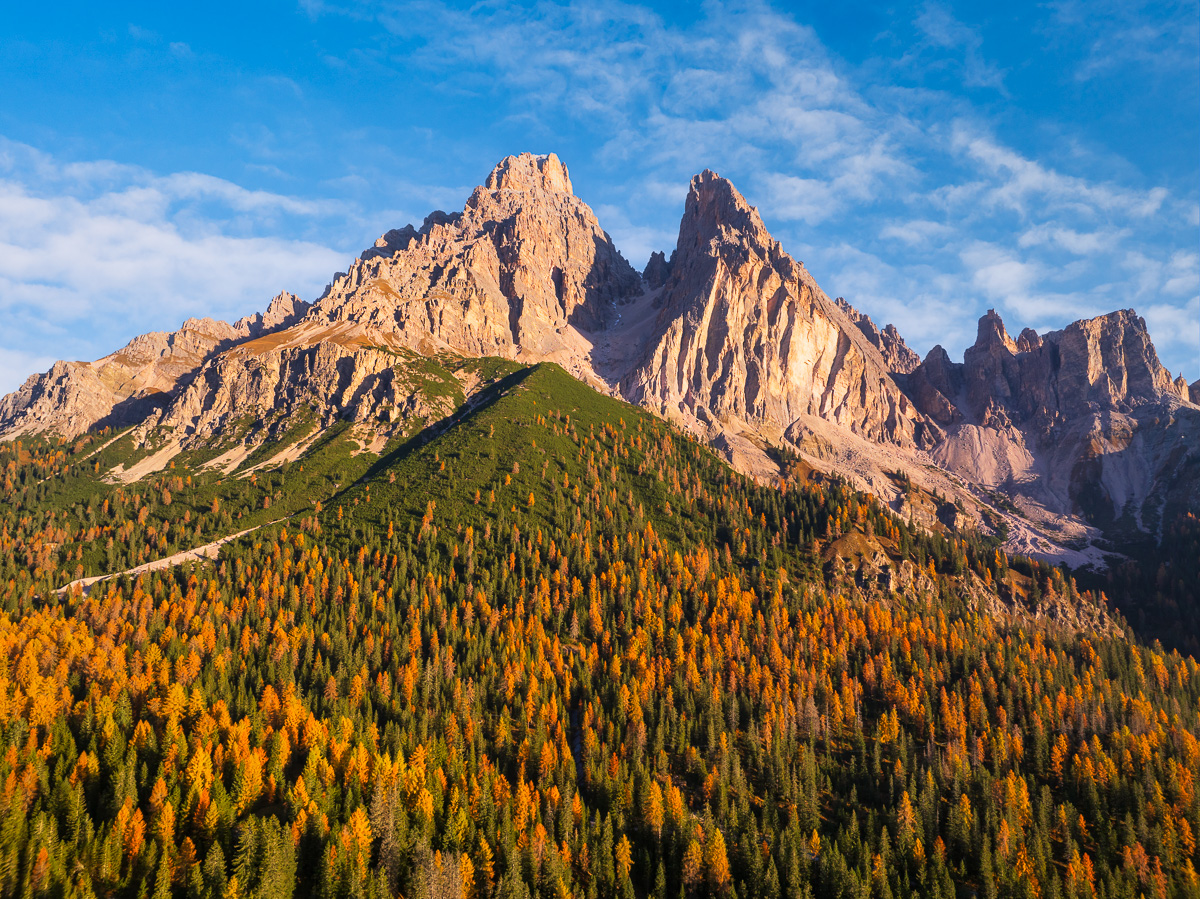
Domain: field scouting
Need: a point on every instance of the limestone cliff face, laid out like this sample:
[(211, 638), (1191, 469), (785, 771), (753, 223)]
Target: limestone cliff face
[(520, 271), (899, 357), (332, 374), (118, 390), (1085, 420), (1106, 363), (524, 260), (285, 310), (125, 387), (743, 332)]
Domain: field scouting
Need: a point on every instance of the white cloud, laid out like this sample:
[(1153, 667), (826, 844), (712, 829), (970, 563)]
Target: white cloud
[(1125, 34), (997, 273), (742, 89), (1076, 242), (917, 233), (92, 254), (1024, 186), (943, 31), (1182, 274)]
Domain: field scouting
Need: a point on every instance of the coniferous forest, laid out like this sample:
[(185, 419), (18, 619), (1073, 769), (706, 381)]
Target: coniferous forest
[(555, 648)]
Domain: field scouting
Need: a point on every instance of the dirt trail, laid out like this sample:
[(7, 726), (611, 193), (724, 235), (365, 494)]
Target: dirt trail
[(195, 554)]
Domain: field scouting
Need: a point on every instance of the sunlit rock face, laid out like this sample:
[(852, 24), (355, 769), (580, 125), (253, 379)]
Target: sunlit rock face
[(136, 381), (744, 332), (523, 261), (1083, 420)]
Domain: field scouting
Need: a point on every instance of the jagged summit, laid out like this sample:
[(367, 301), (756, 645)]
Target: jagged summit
[(1084, 420), (900, 358), (523, 261), (746, 343), (657, 270), (714, 206), (991, 332), (528, 172), (1107, 362), (284, 310)]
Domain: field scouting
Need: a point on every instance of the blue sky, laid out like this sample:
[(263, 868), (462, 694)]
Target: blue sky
[(925, 160)]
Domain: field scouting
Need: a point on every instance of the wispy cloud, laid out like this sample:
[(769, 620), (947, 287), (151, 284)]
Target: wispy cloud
[(942, 31), (93, 253), (1118, 34), (899, 191), (1030, 188), (742, 89)]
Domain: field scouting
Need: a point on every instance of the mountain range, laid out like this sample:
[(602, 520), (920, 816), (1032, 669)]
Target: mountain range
[(1065, 444), (430, 588)]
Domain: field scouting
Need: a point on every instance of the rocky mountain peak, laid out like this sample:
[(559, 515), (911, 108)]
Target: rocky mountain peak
[(284, 309), (1109, 360), (1085, 420), (992, 333), (1028, 341), (900, 358), (528, 172), (747, 343), (657, 270), (714, 206), (1102, 363), (523, 262), (729, 337)]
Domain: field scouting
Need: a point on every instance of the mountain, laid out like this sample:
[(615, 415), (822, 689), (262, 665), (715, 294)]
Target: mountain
[(358, 607), (1054, 442), (524, 263), (556, 646), (900, 358), (744, 336), (1079, 422), (130, 385)]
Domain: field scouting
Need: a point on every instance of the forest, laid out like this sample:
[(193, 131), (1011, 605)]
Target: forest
[(559, 649)]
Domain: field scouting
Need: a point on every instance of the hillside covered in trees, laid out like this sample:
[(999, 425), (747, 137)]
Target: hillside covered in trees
[(555, 648)]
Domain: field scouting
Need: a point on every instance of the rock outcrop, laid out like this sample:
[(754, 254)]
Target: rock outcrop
[(332, 375), (522, 272), (1105, 364), (1085, 420), (521, 264), (285, 310), (897, 354), (135, 382), (744, 334), (657, 270), (118, 390)]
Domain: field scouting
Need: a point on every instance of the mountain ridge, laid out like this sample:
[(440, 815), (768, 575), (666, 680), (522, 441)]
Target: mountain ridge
[(1081, 429)]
